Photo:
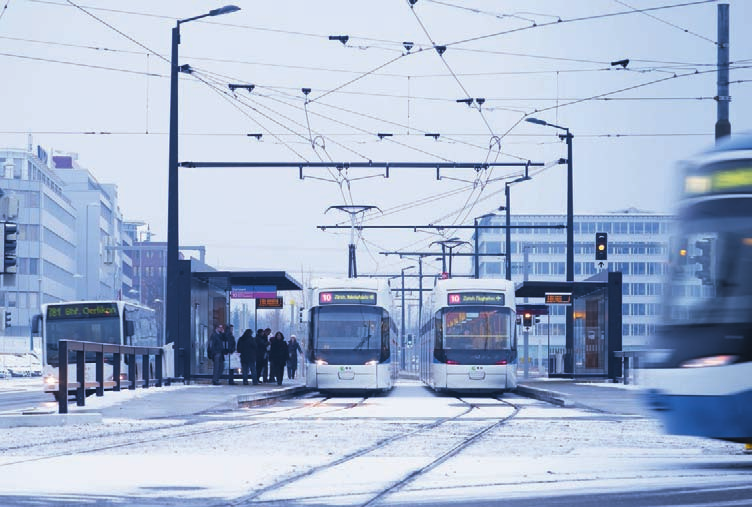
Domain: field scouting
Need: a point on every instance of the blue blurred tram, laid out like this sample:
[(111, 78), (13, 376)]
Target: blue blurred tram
[(468, 337), (352, 339), (699, 376)]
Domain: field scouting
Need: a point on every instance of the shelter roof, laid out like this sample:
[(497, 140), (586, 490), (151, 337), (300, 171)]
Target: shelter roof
[(226, 280)]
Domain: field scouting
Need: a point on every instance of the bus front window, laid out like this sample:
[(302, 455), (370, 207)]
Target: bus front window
[(105, 330)]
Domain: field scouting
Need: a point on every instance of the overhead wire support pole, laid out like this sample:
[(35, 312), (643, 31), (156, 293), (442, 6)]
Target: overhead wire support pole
[(352, 210), (722, 125), (172, 308)]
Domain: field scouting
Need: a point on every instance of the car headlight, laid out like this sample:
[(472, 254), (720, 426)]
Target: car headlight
[(703, 362)]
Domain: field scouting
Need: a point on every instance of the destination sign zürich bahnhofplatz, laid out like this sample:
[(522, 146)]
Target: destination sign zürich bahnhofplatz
[(347, 298), (475, 298)]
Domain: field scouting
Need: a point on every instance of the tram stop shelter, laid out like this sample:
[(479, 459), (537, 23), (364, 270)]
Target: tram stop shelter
[(596, 331), (205, 303)]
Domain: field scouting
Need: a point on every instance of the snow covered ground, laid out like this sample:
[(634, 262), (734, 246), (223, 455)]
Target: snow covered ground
[(216, 457)]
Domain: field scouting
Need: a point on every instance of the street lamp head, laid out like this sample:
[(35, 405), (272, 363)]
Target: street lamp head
[(536, 121), (224, 10)]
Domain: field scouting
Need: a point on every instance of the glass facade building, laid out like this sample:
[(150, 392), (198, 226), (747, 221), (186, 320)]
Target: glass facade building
[(638, 243)]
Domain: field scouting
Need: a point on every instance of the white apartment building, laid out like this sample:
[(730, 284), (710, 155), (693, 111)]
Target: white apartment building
[(67, 224), (638, 243)]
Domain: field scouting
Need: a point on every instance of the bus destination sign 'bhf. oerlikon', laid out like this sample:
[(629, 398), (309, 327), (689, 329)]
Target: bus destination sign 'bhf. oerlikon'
[(82, 311)]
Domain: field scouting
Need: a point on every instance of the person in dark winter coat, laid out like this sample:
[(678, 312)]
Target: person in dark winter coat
[(293, 347), (278, 355), (247, 351), (269, 375), (215, 350), (229, 348), (261, 358)]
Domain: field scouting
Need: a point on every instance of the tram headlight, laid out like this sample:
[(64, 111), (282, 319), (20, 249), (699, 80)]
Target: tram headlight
[(50, 380), (321, 362), (372, 362), (703, 362)]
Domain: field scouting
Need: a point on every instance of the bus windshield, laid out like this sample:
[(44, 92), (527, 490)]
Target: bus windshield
[(711, 266), (477, 328), (99, 330)]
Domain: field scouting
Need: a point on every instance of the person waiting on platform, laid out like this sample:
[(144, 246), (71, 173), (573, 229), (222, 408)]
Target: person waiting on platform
[(293, 348), (215, 351), (278, 354), (247, 350)]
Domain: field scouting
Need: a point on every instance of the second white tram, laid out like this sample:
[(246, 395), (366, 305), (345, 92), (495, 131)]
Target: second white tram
[(352, 339), (468, 337)]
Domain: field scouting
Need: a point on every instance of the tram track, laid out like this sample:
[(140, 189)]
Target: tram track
[(255, 497), (159, 433)]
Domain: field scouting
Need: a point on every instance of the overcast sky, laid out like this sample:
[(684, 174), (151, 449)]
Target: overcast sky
[(101, 66)]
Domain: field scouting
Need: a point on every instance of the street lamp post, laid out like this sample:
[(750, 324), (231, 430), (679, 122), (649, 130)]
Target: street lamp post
[(171, 305), (508, 260), (567, 136), (476, 261)]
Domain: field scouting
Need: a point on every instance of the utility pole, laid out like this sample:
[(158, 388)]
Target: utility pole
[(722, 124)]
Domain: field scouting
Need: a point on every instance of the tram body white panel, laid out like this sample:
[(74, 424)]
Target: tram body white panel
[(450, 367), (350, 377), (377, 371), (474, 377)]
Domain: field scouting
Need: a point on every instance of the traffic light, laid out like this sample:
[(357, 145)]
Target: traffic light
[(601, 246), (8, 246), (527, 319), (301, 314), (7, 319), (704, 272)]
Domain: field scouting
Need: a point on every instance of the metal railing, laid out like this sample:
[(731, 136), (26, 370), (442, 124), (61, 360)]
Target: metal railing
[(100, 349)]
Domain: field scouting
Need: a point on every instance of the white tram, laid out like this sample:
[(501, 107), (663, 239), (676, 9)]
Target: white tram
[(352, 339), (468, 337)]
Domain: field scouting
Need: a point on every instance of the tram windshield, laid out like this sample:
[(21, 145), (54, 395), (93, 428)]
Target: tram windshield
[(347, 334), (711, 264), (477, 328)]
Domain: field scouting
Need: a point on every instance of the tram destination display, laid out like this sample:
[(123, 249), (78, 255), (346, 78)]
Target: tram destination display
[(347, 298), (475, 298)]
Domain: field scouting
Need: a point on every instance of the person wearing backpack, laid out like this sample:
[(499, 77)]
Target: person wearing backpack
[(215, 350)]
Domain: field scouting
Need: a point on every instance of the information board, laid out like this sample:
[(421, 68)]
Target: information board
[(269, 303)]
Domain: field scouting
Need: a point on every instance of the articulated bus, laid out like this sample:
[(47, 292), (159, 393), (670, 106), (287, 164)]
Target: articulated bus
[(699, 375), (352, 339), (116, 322), (468, 337)]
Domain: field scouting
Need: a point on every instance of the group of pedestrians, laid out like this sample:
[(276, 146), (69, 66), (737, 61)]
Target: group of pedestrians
[(263, 356)]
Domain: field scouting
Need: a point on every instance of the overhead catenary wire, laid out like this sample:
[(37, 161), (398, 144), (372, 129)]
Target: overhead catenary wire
[(576, 20), (685, 30), (5, 8)]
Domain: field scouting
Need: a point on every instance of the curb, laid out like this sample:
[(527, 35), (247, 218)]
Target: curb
[(36, 420), (260, 399), (552, 397)]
